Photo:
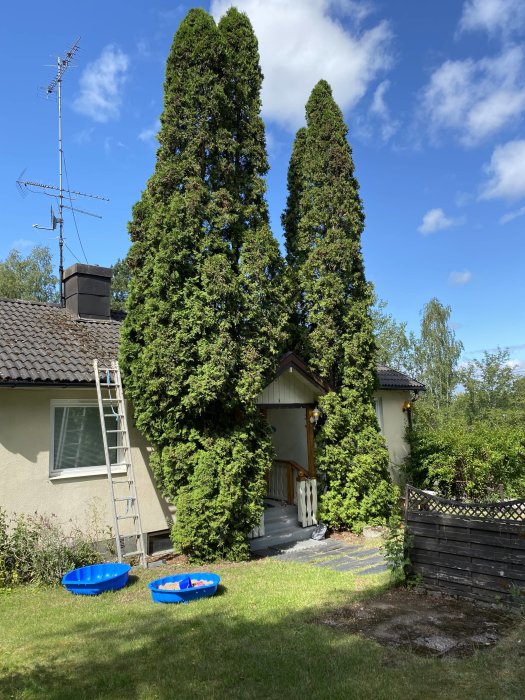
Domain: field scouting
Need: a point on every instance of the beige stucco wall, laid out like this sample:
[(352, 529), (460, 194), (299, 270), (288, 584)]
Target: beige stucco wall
[(395, 423), (25, 484)]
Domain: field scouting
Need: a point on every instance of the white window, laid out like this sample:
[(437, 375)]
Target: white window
[(76, 440), (378, 403)]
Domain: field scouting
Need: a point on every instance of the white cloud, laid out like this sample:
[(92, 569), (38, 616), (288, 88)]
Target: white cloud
[(101, 85), (84, 136), (436, 220), (378, 108), (511, 215), (505, 16), (303, 42), (458, 279), (506, 172), (476, 98), (148, 134)]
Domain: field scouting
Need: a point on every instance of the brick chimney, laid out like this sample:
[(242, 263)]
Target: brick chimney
[(87, 291)]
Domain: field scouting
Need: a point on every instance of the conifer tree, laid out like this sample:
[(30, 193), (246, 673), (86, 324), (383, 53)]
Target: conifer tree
[(204, 321), (323, 223)]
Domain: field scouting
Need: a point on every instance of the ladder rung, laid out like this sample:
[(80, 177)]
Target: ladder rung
[(129, 498), (117, 447), (116, 431), (126, 517), (112, 400), (122, 481), (113, 415)]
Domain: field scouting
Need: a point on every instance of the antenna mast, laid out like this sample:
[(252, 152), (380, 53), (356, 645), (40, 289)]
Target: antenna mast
[(56, 83), (56, 86)]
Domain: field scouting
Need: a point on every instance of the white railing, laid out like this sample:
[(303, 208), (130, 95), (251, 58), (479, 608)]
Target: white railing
[(278, 481), (307, 502)]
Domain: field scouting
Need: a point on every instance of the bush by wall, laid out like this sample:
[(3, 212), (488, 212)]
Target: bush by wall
[(36, 549)]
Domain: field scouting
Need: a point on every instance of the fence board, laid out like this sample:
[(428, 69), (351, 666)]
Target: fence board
[(480, 566), (490, 553), (473, 550)]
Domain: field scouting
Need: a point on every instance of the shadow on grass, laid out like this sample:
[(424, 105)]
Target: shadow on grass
[(166, 652)]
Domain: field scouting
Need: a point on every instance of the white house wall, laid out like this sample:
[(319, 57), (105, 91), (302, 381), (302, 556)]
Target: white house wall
[(394, 428), (289, 388), (289, 434), (25, 484)]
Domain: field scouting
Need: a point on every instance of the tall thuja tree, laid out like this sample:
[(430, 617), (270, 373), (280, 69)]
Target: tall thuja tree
[(241, 217), (190, 333), (296, 254), (323, 222)]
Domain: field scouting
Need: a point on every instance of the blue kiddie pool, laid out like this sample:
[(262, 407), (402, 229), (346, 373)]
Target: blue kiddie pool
[(183, 588), (95, 579)]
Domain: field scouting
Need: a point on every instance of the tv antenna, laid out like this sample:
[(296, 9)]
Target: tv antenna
[(55, 87)]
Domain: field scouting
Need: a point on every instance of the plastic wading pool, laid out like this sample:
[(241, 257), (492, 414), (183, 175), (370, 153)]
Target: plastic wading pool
[(185, 595), (92, 580)]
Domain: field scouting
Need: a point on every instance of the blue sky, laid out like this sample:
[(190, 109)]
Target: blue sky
[(433, 93)]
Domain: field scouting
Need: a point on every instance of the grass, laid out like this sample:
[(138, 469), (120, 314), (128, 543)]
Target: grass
[(256, 639)]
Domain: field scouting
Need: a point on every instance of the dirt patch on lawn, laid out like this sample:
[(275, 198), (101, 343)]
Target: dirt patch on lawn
[(425, 624)]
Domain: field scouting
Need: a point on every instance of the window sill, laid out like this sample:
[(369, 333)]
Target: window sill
[(79, 473)]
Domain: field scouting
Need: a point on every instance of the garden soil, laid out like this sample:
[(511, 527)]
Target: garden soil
[(426, 624)]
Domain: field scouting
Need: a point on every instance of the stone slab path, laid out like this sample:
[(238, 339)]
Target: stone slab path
[(332, 554)]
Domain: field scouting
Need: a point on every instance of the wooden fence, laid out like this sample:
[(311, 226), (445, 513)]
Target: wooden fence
[(474, 550)]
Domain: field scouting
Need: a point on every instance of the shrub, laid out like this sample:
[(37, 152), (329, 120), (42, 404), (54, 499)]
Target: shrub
[(36, 549), (397, 547), (481, 455)]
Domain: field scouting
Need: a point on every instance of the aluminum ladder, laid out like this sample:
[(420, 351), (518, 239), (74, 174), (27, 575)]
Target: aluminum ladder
[(122, 489)]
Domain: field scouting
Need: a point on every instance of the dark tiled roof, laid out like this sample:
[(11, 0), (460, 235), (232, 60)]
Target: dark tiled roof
[(46, 343), (392, 379), (387, 378), (42, 343)]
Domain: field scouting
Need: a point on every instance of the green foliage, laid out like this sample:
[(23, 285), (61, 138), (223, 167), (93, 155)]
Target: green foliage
[(395, 347), (35, 549), (29, 278), (488, 384), (437, 354), (477, 442), (120, 285), (397, 549), (482, 454), (323, 223), (206, 307)]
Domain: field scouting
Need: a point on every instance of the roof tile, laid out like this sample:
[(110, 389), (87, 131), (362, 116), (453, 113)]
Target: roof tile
[(46, 343)]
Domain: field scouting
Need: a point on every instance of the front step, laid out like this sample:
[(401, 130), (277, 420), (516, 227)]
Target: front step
[(281, 528)]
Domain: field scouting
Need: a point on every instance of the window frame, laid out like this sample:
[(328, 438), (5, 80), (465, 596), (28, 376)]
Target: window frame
[(378, 405), (74, 472)]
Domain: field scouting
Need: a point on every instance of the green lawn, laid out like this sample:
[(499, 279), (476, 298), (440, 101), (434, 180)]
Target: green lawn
[(257, 639)]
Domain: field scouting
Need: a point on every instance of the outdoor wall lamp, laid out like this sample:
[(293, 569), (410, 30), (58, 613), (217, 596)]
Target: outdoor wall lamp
[(406, 406), (314, 418)]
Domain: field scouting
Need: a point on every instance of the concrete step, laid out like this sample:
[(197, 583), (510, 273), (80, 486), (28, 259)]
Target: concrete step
[(282, 537), (275, 514), (284, 526)]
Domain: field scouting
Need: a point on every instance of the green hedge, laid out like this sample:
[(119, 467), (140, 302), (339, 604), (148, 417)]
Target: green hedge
[(482, 454)]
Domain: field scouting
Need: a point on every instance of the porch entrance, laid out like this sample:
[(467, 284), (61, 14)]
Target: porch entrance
[(291, 480)]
